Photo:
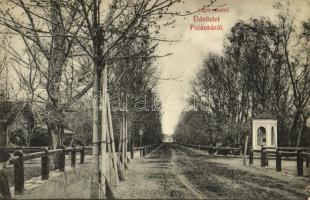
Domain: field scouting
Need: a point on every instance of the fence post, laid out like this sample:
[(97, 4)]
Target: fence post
[(45, 164), (144, 151), (278, 160), (262, 156), (307, 160), (73, 156), (251, 156), (132, 152), (62, 159), (19, 172), (82, 154), (300, 162)]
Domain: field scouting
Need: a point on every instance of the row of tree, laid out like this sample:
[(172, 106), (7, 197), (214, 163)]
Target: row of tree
[(69, 47), (264, 68), (60, 49)]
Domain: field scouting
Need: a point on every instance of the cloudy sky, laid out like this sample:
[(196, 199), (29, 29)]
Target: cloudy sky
[(189, 52)]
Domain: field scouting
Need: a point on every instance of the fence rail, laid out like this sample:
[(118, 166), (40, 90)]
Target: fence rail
[(301, 154), (289, 148), (22, 154), (20, 157), (215, 150), (24, 149), (143, 150)]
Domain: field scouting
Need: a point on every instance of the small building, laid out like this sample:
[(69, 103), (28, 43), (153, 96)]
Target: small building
[(167, 138), (264, 131)]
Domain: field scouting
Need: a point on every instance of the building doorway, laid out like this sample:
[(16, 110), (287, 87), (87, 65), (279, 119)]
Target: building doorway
[(261, 136)]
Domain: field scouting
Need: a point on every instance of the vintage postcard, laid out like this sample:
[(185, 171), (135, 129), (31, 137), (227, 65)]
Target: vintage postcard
[(155, 99)]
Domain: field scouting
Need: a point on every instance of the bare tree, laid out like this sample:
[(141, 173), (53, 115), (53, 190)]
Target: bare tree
[(48, 34), (295, 50), (265, 68)]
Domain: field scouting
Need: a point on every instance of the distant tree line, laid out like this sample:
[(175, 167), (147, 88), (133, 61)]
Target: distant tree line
[(264, 68)]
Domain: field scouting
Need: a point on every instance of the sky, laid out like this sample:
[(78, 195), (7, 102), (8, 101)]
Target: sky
[(192, 46)]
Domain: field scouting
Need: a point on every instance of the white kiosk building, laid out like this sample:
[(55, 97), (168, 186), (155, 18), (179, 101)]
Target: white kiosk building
[(264, 131)]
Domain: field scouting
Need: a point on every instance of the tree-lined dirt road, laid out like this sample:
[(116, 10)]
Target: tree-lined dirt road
[(176, 172)]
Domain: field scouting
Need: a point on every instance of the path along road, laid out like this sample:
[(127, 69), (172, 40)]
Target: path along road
[(177, 172)]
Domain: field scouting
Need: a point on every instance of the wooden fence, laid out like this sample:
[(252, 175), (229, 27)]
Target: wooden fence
[(301, 154), (143, 150), (38, 152), (22, 154), (24, 149), (215, 150)]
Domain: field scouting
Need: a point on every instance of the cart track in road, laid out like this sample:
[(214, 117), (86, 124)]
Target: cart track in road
[(156, 177), (175, 172), (197, 194), (219, 181)]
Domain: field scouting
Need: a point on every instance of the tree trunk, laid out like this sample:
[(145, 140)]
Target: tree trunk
[(27, 140), (54, 143), (97, 53), (104, 128), (303, 124), (292, 128), (94, 193), (54, 116)]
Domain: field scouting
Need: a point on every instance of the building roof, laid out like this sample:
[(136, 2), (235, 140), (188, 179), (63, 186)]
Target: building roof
[(264, 115)]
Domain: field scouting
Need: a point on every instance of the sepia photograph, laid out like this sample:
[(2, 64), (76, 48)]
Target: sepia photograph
[(155, 99)]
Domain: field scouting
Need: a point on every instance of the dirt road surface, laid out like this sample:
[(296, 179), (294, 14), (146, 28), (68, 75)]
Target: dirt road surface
[(180, 173), (175, 172)]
